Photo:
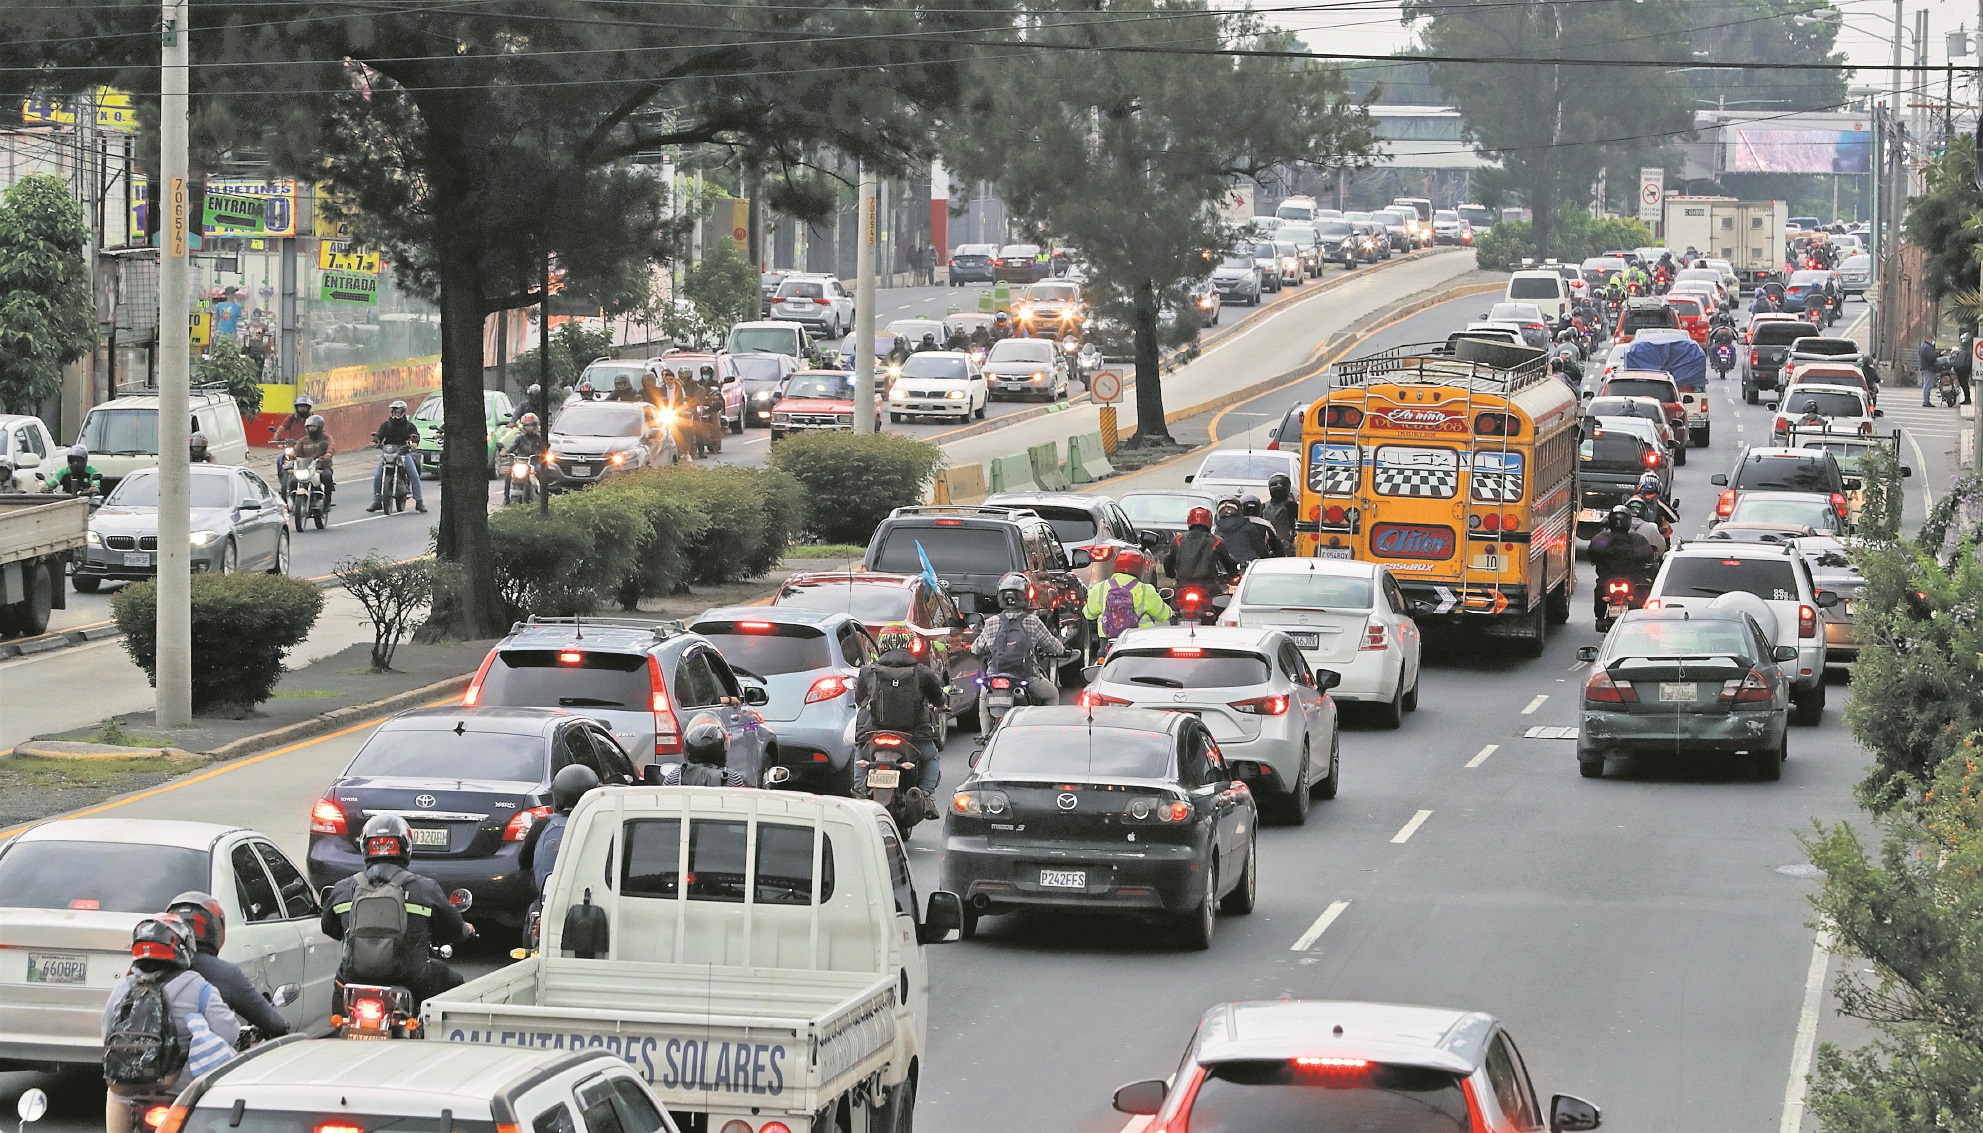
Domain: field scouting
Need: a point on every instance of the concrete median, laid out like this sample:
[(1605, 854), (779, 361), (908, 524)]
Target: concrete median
[(1087, 458), (1047, 472), (1012, 474)]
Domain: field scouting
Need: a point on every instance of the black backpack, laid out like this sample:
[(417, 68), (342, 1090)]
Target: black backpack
[(898, 699), (1011, 651), (1196, 558), (376, 947), (143, 1048), (701, 775)]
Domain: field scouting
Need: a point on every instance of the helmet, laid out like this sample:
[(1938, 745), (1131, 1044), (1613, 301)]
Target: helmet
[(1279, 485), (387, 838), (315, 424), (1638, 507), (570, 784), (1620, 520), (895, 635), (535, 391), (197, 442), (304, 403), (527, 421), (1012, 591), (396, 409), (705, 741), (1198, 517), (1649, 482), (621, 381), (1229, 506), (1129, 560), (203, 915), (78, 454), (1001, 318), (165, 941), (1249, 504)]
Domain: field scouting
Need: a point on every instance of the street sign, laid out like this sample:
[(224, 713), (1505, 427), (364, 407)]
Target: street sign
[(343, 255), (237, 211), (1106, 387), (1652, 188), (350, 287), (1976, 352)]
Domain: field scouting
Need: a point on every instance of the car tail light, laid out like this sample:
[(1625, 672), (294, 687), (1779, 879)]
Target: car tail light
[(155, 1115), (1603, 690), (826, 688), (521, 822), (667, 729), (1840, 504), (1262, 706), (1092, 699), (1866, 428), (1331, 1063), (1751, 689), (1159, 809), (822, 302), (473, 695), (1783, 424), (1755, 356), (1374, 637), (1724, 504), (1652, 460), (1807, 621), (736, 1127), (1187, 651), (328, 818)]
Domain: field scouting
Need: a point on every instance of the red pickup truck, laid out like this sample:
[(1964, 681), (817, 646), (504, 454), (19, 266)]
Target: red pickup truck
[(816, 399)]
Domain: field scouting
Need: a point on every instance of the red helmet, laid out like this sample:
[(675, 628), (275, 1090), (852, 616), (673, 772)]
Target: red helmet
[(1199, 517), (1130, 561)]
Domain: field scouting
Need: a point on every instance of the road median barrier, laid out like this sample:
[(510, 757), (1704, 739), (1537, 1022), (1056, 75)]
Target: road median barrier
[(1047, 472), (67, 749), (1087, 459), (963, 484), (1011, 474)]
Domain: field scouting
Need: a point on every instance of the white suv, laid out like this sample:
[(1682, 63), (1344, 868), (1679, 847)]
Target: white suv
[(1825, 408), (937, 383), (815, 301), (1695, 574)]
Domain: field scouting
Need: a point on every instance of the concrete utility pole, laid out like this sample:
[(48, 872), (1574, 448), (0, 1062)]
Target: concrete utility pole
[(175, 347), (864, 421)]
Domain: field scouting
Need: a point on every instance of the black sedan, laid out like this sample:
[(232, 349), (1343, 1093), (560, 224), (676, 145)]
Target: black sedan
[(1116, 809), (470, 782)]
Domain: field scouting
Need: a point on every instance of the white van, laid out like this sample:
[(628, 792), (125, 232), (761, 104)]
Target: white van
[(1300, 209), (1546, 289), (122, 433)]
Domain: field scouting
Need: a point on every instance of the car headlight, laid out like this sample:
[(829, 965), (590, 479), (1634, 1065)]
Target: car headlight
[(205, 538), (955, 395), (846, 418), (617, 458), (787, 417), (1039, 375), (897, 393), (92, 538)]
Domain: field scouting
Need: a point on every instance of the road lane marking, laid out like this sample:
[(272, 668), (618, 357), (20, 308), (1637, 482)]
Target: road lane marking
[(1477, 760), (1410, 828), (1807, 1036), (1535, 704), (1921, 462), (1320, 926)]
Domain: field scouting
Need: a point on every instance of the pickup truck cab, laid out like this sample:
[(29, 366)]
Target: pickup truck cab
[(756, 957), (816, 399)]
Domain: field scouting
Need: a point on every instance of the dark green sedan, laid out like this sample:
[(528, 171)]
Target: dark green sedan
[(496, 411)]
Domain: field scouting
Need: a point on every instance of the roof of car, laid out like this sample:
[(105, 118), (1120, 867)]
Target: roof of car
[(1690, 614), (1205, 637), (1295, 565), (1397, 1034), (1705, 548), (463, 1076), (784, 615), (1052, 499), (507, 721), (129, 831), (1110, 717), (597, 634), (849, 578)]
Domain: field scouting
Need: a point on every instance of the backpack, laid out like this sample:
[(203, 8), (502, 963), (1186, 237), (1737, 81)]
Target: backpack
[(1119, 609), (376, 948), (142, 1048), (898, 699), (1196, 557), (701, 775), (1011, 652)]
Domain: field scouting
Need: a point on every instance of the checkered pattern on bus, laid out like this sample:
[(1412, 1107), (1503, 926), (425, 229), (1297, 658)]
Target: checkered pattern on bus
[(1430, 483), (1497, 477), (1333, 469)]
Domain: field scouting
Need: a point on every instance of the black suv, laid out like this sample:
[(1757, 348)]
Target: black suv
[(971, 548), (1609, 464), (1769, 345)]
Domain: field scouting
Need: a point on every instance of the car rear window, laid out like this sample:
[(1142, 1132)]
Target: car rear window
[(1780, 333), (1186, 667), (1641, 320), (1825, 403), (1286, 1096), (1641, 387), (1612, 447), (1685, 308), (951, 550), (1535, 287), (1827, 346), (764, 340), (768, 649), (1070, 524), (1679, 639), (1077, 753), (565, 678), (718, 859), (1703, 576), (1814, 511), (801, 289), (429, 753), (1786, 474), (109, 877), (1243, 466), (1306, 590), (1169, 511)]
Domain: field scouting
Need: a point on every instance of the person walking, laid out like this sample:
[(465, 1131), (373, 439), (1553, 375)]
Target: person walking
[(1928, 357)]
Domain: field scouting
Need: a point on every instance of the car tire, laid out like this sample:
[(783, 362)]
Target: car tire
[(1241, 900), (29, 616), (281, 564), (1749, 395), (895, 418), (1591, 768), (1680, 456), (1391, 714), (1538, 638), (967, 925), (981, 409), (1411, 697), (1326, 787), (1699, 437), (1291, 808), (84, 585), (1558, 603), (1195, 928), (230, 558), (1808, 709), (1769, 765)]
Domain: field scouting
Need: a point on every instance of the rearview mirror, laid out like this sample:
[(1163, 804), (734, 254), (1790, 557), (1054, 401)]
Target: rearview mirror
[(1719, 480), (32, 1105), (1190, 477), (1906, 471), (462, 900), (1326, 679), (1568, 1114), (1771, 405), (777, 776), (1141, 1098), (943, 916), (1587, 653), (1785, 653), (1879, 412)]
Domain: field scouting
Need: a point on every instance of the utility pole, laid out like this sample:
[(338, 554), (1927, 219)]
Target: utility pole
[(864, 301), (175, 560)]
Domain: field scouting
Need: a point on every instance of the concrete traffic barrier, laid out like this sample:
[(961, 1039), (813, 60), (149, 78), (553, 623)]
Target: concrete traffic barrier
[(1087, 459), (1011, 474), (964, 484), (1046, 467)]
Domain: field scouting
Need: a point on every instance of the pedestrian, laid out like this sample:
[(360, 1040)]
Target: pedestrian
[(929, 265), (1927, 361), (1964, 361)]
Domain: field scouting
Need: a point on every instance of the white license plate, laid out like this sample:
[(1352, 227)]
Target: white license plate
[(999, 698), (431, 457), (581, 470), (1617, 608), (1677, 692), (137, 558), (1063, 879), (888, 777), (1589, 515), (1305, 640), (57, 968), (1333, 552), (430, 836)]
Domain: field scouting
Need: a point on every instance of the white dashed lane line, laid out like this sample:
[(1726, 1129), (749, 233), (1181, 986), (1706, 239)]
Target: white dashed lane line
[(1307, 939), (1477, 760), (1535, 704), (1410, 828)]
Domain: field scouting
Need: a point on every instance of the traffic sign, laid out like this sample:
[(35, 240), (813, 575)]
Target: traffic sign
[(1976, 352), (1106, 387), (1652, 188)]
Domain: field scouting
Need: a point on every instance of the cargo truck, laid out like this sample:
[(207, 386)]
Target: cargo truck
[(38, 536), (1748, 234)]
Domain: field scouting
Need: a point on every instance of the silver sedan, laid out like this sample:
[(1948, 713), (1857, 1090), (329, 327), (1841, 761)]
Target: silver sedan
[(237, 524)]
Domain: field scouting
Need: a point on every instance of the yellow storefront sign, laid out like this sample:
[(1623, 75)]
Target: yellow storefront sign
[(343, 255)]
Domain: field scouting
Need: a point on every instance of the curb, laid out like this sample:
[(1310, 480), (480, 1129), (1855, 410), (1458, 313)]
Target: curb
[(338, 717), (72, 750)]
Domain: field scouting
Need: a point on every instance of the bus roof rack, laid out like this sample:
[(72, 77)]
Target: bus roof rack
[(1480, 364)]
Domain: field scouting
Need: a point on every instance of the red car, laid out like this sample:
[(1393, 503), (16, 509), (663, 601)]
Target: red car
[(817, 399), (1693, 316)]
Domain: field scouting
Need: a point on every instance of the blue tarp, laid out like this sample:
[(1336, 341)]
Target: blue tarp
[(1679, 356)]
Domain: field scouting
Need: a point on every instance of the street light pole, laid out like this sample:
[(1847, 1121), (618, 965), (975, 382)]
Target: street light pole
[(174, 610), (864, 301)]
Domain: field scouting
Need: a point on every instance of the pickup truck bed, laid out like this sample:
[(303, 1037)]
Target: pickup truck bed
[(38, 534)]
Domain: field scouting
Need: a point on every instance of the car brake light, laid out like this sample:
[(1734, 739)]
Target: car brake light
[(1751, 689), (1187, 651), (474, 693), (328, 818), (1839, 502), (826, 688), (950, 523), (773, 1127), (155, 1115), (521, 822), (1724, 504), (1602, 689), (1374, 637), (1755, 356), (667, 729), (1652, 460), (1807, 621), (571, 657), (1332, 1063), (1262, 706), (1091, 699)]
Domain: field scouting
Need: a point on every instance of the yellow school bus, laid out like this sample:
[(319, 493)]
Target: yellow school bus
[(1454, 465)]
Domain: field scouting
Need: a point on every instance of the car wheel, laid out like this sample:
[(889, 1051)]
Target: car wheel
[(895, 418), (982, 406), (1680, 456), (1240, 901), (86, 585), (1699, 437), (1749, 395), (230, 558), (1538, 636), (1391, 714), (967, 925), (1769, 765), (281, 564), (1808, 708), (1195, 928), (1411, 697), (1326, 787), (1291, 809), (1559, 606), (1591, 768)]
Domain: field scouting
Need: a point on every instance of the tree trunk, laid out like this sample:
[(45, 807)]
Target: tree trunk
[(473, 610), (1150, 427)]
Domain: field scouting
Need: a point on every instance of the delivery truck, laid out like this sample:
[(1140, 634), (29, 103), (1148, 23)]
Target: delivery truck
[(1748, 234), (39, 534)]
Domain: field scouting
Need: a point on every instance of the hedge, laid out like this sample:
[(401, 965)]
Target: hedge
[(1577, 238), (852, 481), (243, 625)]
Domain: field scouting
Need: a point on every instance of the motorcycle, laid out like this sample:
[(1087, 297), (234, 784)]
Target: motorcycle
[(393, 486), (706, 429), (520, 481), (1191, 604), (1723, 358), (884, 770), (1616, 594), (1001, 692), (376, 1012), (309, 498)]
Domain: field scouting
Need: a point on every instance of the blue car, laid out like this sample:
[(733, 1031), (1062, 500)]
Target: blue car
[(1801, 286), (809, 661)]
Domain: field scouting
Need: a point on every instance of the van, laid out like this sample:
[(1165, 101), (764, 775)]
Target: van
[(1546, 289), (122, 433), (1300, 209), (1419, 205)]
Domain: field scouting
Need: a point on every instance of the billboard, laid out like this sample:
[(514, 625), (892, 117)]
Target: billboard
[(1783, 149)]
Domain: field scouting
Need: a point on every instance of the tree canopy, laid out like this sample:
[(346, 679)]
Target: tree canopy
[(47, 311)]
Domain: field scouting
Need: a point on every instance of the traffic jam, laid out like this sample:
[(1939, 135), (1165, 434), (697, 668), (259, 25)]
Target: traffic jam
[(648, 875)]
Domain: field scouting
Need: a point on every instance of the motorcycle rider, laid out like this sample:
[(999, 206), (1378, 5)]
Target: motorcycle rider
[(208, 923), (928, 343), (288, 433), (1199, 559), (79, 477), (162, 952), (8, 483), (397, 429), (380, 948), (1653, 493), (316, 444), (1014, 640), (705, 757), (1764, 303), (541, 845), (1281, 508), (1123, 601), (529, 444), (196, 449), (1564, 365), (1619, 551), (897, 693), (1264, 532), (1644, 523), (1240, 534), (1001, 326)]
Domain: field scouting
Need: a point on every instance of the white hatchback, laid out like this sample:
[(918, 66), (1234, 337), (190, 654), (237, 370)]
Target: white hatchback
[(1345, 616), (1271, 714)]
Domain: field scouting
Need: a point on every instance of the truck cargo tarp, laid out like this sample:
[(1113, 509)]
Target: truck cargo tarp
[(1675, 353)]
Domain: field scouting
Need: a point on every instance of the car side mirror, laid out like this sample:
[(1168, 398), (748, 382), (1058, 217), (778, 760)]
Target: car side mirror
[(756, 695), (777, 776), (1827, 599), (1091, 674), (1589, 393), (1326, 679), (1906, 471), (1785, 653), (1719, 480), (1190, 477), (32, 1105), (461, 900), (943, 916), (1771, 405), (1587, 653), (1141, 1098), (1080, 558), (26, 461), (1568, 1114), (1879, 412), (285, 995)]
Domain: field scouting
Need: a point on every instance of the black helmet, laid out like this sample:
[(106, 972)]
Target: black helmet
[(1279, 486), (1249, 504), (1228, 506), (705, 741), (387, 838), (1012, 592), (202, 914), (569, 785), (1620, 520), (315, 425), (162, 943)]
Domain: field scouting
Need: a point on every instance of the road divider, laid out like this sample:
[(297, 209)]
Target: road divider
[(1012, 473), (1047, 472), (1088, 458)]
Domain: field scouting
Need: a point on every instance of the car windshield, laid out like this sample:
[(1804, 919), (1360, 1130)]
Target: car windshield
[(1535, 287), (1334, 228), (768, 649), (868, 602), (764, 340), (1077, 753), (830, 387), (1785, 474), (1824, 403), (430, 410), (951, 550), (428, 753), (120, 432), (1262, 250), (1704, 576), (1665, 638), (1286, 248), (1279, 1096), (1306, 589), (1162, 509), (1241, 466), (600, 374), (601, 419), (1186, 666), (1641, 387), (108, 877), (1515, 312), (757, 368), (1809, 511), (1053, 293), (1295, 236), (547, 678), (930, 364), (1021, 350), (140, 489)]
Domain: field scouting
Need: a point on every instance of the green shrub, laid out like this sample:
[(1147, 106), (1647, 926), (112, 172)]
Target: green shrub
[(754, 514), (851, 482), (540, 563), (1504, 246), (243, 625), (674, 524)]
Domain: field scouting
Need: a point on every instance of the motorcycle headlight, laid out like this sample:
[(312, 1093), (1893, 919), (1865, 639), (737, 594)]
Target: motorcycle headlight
[(205, 538)]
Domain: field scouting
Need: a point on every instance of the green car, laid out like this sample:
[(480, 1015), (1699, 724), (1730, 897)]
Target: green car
[(496, 411)]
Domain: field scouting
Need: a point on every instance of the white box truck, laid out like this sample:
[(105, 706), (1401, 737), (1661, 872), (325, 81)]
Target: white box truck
[(1748, 234), (756, 956)]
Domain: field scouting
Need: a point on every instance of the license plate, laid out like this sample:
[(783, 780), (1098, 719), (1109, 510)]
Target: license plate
[(1617, 608), (999, 698), (887, 777), (1305, 640), (1677, 692), (1589, 515), (431, 457), (581, 470), (430, 836), (137, 558), (1063, 879), (1332, 552), (57, 968)]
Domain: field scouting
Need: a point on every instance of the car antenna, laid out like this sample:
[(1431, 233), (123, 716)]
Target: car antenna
[(578, 627)]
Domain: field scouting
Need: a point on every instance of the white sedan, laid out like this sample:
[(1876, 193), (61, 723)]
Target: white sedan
[(1345, 616), (1235, 471), (937, 383), (71, 892), (1271, 714)]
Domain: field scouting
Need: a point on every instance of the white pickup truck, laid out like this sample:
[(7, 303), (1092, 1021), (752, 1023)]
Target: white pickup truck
[(756, 956)]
